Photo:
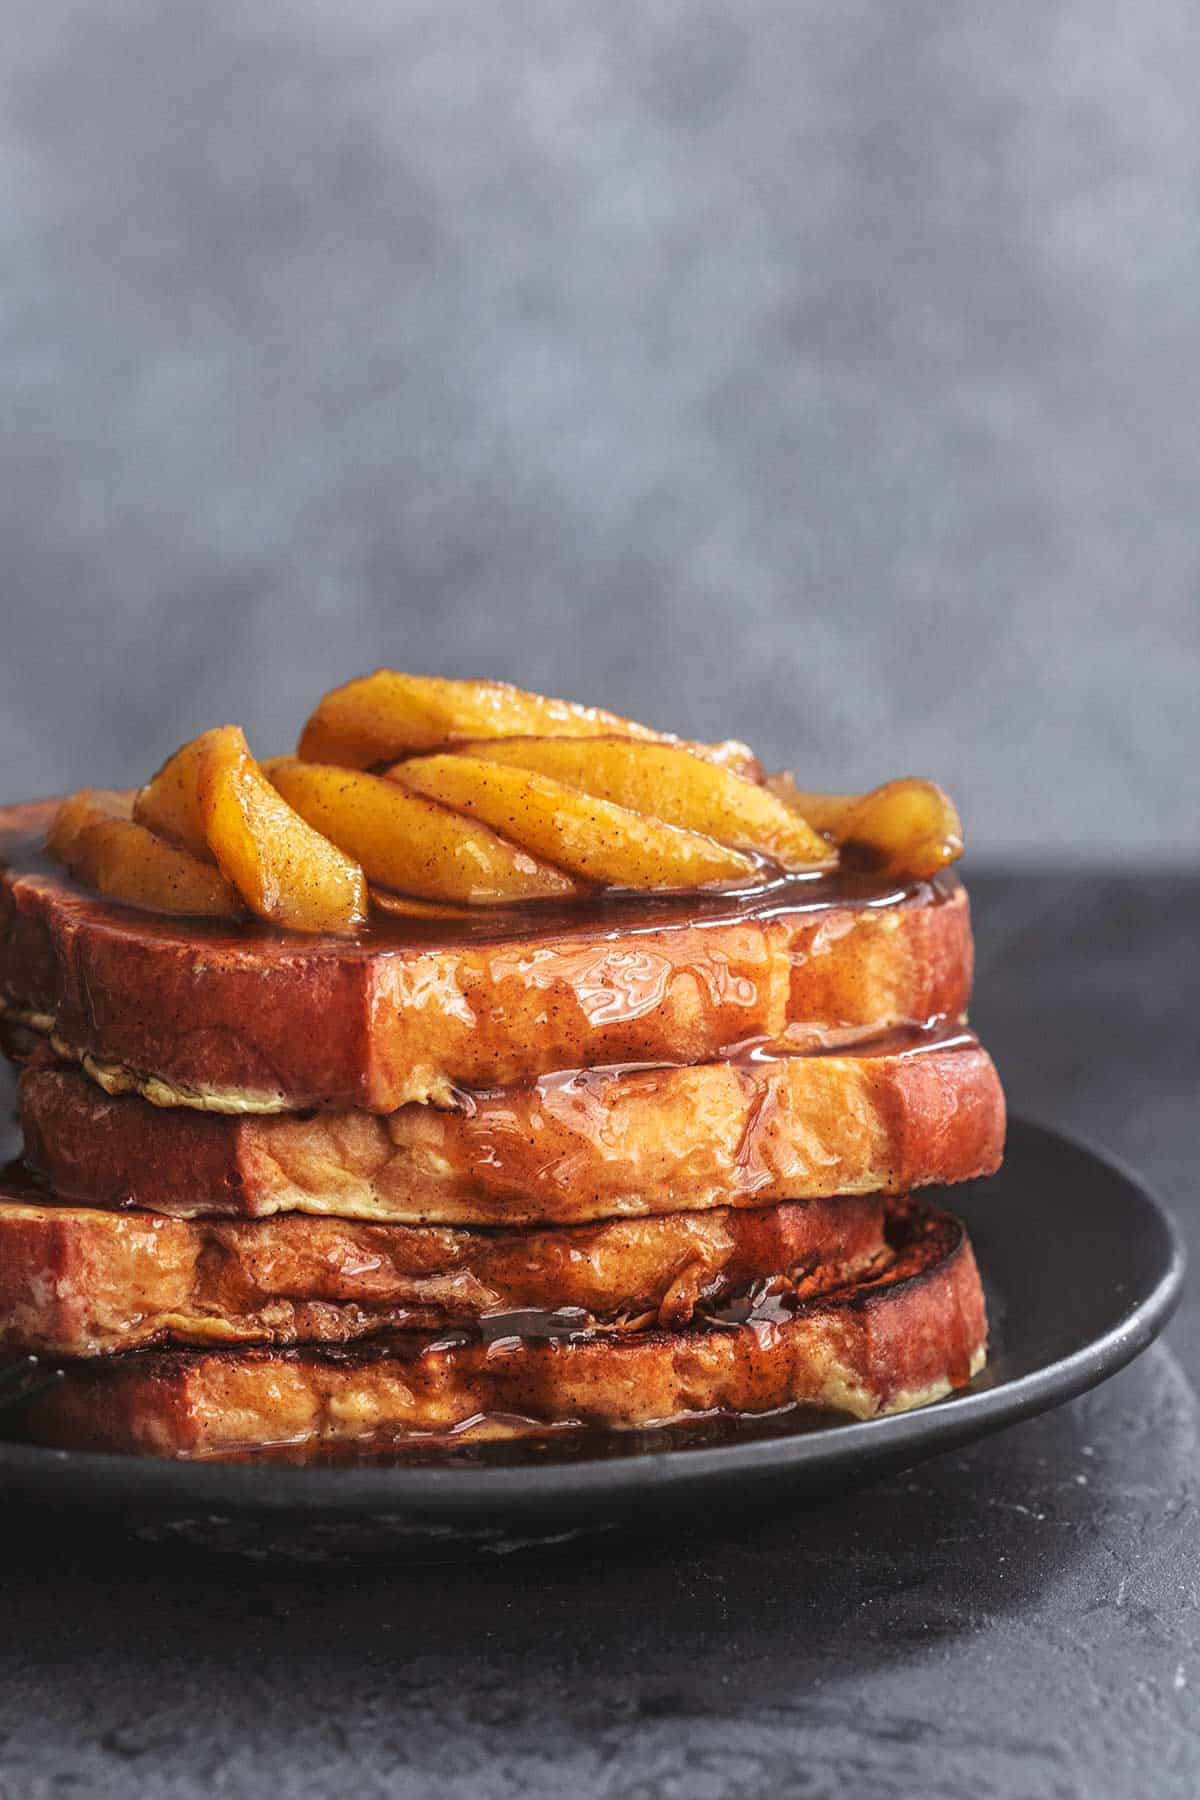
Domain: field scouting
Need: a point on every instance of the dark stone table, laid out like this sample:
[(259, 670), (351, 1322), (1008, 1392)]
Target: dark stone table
[(1019, 1620)]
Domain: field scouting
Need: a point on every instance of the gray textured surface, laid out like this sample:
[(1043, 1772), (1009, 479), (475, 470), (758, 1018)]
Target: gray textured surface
[(820, 374), (1017, 1622), (1021, 1622)]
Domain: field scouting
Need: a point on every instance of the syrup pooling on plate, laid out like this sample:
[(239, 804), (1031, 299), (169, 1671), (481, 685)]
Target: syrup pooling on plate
[(502, 1442)]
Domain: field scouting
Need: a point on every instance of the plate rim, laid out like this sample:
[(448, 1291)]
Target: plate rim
[(35, 1472)]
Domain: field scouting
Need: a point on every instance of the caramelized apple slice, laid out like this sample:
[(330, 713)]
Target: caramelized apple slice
[(284, 870), (90, 806), (406, 842), (387, 715), (378, 717), (908, 827), (94, 835), (669, 783), (590, 837), (170, 802)]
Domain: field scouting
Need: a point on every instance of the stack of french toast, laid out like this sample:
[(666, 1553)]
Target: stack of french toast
[(493, 1067)]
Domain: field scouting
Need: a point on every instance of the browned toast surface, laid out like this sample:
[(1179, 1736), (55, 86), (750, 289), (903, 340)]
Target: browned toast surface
[(78, 1282), (577, 1146), (910, 1334), (201, 1015)]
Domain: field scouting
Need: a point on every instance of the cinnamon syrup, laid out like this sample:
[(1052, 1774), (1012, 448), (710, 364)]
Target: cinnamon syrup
[(612, 912)]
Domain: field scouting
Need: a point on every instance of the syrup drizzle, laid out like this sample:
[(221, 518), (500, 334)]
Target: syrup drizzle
[(613, 912)]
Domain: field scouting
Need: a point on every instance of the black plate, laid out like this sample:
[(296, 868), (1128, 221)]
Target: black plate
[(1082, 1269)]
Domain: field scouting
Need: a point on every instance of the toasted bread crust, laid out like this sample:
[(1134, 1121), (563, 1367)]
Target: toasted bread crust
[(910, 1335), (78, 1282), (579, 1146), (191, 1014)]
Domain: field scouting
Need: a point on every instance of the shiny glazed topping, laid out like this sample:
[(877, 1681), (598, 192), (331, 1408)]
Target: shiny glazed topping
[(437, 799)]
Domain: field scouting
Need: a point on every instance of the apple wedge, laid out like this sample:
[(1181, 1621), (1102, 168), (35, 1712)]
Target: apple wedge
[(170, 801), (908, 827), (79, 813), (663, 781), (94, 835), (284, 870), (412, 844), (589, 837), (382, 717)]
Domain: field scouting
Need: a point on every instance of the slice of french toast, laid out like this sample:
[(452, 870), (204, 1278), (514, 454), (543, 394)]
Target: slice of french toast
[(251, 1019), (78, 1282), (908, 1334), (580, 1145)]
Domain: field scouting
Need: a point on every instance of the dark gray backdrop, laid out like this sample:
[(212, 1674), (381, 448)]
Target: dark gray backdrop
[(824, 374)]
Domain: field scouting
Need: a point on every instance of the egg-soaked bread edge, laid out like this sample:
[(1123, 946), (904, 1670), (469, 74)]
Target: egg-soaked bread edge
[(75, 1281), (254, 1020), (573, 1147), (905, 1337)]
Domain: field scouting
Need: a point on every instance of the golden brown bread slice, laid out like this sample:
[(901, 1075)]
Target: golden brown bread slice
[(906, 1336), (577, 1146), (78, 1282), (197, 1014)]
